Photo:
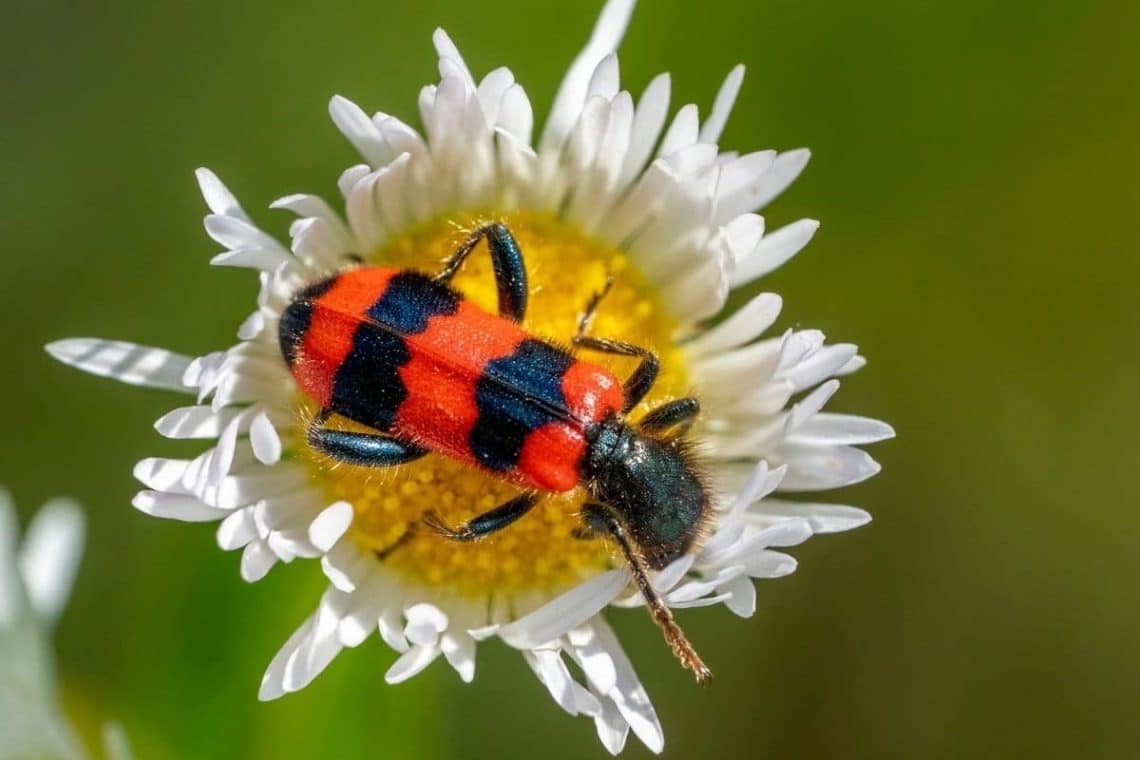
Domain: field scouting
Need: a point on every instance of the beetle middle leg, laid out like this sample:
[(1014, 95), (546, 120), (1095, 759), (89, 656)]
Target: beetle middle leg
[(507, 261), (489, 522), (364, 449)]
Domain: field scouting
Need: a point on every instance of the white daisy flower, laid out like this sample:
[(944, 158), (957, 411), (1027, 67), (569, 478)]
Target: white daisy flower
[(608, 190), (36, 577)]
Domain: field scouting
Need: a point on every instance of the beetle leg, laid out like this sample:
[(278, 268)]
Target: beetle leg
[(360, 448), (592, 306), (602, 519), (643, 377), (486, 523), (507, 261), (678, 413)]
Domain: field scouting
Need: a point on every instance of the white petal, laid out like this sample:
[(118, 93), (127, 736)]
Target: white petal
[(237, 530), (218, 197), (667, 578), (425, 623), (648, 119), (783, 173), (742, 595), (237, 234), (784, 533), (682, 132), (855, 364), (773, 251), (742, 327), (126, 362), (769, 564), (459, 649), (491, 90), (568, 611), (810, 405), (197, 422), (252, 326), (606, 79), (272, 683), (818, 468), (330, 525), (552, 672), (516, 115), (819, 365), (176, 507), (355, 125), (739, 180), (611, 727), (594, 659), (49, 557), (264, 439), (629, 695), (604, 40), (320, 647), (262, 258), (446, 49), (350, 176), (411, 663), (823, 518), (841, 429), (256, 561), (722, 106)]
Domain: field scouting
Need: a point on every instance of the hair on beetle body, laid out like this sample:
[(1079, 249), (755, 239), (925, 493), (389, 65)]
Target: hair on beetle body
[(419, 369)]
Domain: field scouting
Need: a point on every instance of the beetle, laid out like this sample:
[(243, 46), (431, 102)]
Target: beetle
[(405, 354)]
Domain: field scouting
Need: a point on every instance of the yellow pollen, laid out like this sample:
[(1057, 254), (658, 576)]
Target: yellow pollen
[(539, 552)]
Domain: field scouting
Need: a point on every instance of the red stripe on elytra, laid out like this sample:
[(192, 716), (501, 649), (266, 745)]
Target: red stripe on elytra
[(447, 361), (592, 392), (329, 339), (550, 455)]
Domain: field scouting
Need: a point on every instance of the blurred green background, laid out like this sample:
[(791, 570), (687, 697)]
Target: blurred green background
[(975, 168)]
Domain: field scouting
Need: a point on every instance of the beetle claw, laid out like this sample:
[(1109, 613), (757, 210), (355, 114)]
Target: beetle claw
[(432, 519)]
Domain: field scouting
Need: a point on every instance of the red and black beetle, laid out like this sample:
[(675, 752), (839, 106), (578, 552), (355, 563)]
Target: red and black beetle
[(403, 353)]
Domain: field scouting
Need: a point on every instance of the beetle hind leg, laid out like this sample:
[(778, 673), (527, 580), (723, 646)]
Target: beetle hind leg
[(486, 523), (365, 449)]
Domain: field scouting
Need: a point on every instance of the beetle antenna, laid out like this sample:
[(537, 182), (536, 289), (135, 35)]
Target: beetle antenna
[(660, 611)]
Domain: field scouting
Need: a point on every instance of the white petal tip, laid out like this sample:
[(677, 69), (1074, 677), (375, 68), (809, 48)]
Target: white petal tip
[(269, 692), (327, 528)]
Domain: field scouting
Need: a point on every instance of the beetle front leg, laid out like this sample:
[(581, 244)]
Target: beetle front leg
[(486, 523), (507, 261), (363, 449)]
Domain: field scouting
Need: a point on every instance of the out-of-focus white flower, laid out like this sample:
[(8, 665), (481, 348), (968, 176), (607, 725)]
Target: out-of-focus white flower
[(36, 576)]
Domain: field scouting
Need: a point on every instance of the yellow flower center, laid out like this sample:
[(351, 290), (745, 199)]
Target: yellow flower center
[(539, 551)]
